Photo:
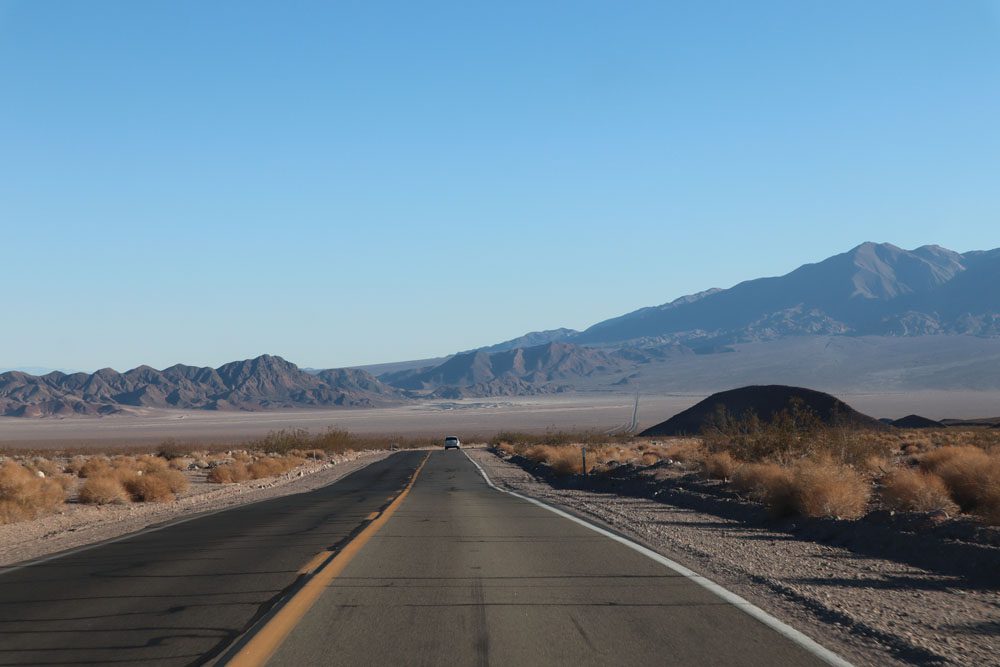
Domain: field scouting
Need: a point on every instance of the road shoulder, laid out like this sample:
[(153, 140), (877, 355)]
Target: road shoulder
[(78, 526), (871, 611)]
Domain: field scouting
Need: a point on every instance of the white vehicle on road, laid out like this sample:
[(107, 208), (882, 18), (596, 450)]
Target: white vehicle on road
[(452, 442)]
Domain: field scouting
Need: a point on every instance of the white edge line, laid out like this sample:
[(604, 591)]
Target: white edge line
[(781, 628)]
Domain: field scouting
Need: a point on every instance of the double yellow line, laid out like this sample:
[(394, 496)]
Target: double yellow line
[(324, 567)]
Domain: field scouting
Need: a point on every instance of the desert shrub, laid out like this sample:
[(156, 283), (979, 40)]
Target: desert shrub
[(719, 465), (768, 483), (181, 463), (171, 449), (148, 464), (934, 459), (287, 439), (74, 465), (685, 451), (270, 466), (265, 467), (793, 434), (829, 489), (750, 438), (229, 473), (310, 454), (176, 481), (972, 476), (505, 448), (24, 495), (524, 440), (103, 490), (650, 458), (563, 460), (45, 466), (856, 447), (94, 466), (148, 488), (915, 490)]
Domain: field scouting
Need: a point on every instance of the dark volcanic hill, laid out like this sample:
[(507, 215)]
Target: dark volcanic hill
[(264, 382), (916, 421), (764, 401)]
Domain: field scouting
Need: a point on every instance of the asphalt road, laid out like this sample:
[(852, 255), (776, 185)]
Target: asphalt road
[(463, 574), (459, 574), (180, 595)]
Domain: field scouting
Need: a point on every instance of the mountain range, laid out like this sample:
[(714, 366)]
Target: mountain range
[(264, 382), (874, 318), (872, 290)]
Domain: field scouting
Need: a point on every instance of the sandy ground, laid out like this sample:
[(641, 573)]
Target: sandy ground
[(871, 611), (78, 525), (466, 418)]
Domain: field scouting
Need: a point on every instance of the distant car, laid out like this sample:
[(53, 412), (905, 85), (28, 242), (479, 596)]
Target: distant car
[(452, 442)]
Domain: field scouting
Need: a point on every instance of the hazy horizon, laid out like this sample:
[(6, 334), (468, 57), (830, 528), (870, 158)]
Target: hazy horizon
[(199, 183)]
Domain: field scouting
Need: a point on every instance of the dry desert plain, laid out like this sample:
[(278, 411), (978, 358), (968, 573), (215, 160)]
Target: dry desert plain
[(466, 418)]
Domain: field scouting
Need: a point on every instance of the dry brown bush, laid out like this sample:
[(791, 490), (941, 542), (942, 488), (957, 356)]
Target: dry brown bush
[(506, 448), (229, 473), (685, 451), (265, 467), (769, 483), (123, 462), (94, 466), (650, 458), (972, 476), (831, 490), (181, 463), (24, 495), (175, 479), (148, 464), (148, 488), (105, 490), (720, 465), (45, 466), (934, 459), (915, 490), (74, 464), (809, 488), (564, 460)]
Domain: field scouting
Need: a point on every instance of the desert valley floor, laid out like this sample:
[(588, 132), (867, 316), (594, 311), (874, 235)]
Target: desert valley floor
[(466, 417)]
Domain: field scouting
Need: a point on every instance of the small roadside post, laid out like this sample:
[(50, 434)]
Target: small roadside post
[(584, 452)]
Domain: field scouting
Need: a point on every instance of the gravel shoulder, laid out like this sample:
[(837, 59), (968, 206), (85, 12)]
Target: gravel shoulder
[(872, 611), (77, 525)]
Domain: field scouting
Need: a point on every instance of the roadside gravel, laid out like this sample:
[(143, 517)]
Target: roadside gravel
[(869, 610), (77, 525)]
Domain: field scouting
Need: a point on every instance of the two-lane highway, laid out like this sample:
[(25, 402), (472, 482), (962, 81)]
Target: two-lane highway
[(451, 572)]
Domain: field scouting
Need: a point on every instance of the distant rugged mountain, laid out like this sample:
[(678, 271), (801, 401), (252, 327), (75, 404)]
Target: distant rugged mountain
[(874, 289), (763, 401), (538, 369), (264, 382), (357, 381), (532, 339)]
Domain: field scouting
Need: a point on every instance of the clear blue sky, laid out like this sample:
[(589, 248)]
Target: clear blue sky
[(355, 182)]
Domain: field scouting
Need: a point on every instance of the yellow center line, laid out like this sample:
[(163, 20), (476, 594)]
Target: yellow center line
[(266, 641), (315, 562)]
